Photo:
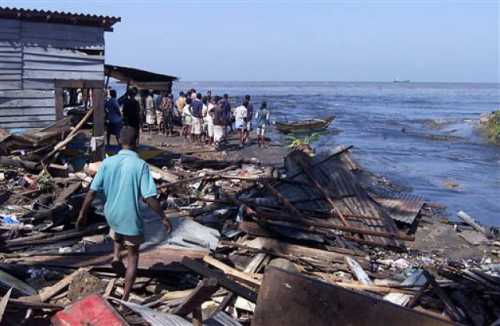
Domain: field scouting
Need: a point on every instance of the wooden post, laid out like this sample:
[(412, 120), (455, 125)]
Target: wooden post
[(98, 104), (59, 102)]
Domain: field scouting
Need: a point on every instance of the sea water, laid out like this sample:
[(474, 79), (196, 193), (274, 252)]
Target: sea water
[(423, 136)]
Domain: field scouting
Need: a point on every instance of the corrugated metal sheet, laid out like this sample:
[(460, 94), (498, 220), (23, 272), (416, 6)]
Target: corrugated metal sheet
[(59, 17), (158, 318), (402, 207), (335, 175)]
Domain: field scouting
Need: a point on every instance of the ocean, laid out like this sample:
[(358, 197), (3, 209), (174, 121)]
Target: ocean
[(422, 136)]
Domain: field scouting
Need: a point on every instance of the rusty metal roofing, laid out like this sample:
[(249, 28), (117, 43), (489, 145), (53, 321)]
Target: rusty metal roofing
[(402, 207), (59, 17), (335, 174)]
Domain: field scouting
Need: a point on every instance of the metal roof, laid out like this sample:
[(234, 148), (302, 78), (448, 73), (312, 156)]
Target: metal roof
[(59, 17), (127, 74)]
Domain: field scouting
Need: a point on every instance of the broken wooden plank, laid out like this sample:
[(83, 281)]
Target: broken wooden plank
[(51, 291), (3, 303), (205, 289), (358, 271), (247, 278), (402, 299), (469, 220), (287, 249), (450, 308), (223, 280)]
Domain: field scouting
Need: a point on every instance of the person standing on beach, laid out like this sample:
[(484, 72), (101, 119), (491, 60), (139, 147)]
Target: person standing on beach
[(114, 121), (240, 115), (167, 105), (209, 118), (226, 106), (125, 181), (132, 110), (262, 120), (248, 127), (180, 103), (187, 119), (197, 121), (150, 111), (219, 121)]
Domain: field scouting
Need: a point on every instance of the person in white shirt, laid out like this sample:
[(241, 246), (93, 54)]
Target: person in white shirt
[(187, 119), (208, 119), (150, 111), (240, 116)]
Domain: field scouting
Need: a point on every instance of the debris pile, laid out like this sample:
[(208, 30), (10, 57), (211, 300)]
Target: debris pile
[(314, 241)]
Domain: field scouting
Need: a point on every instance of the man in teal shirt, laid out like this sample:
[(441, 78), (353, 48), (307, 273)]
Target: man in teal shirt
[(124, 179)]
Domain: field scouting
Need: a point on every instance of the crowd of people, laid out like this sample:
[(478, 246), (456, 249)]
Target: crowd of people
[(202, 119)]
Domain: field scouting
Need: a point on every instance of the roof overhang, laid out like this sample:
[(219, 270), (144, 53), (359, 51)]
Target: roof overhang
[(59, 17), (139, 78)]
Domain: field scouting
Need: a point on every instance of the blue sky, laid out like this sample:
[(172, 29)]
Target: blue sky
[(456, 41)]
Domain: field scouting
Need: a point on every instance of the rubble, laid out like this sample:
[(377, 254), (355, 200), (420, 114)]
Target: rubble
[(252, 243)]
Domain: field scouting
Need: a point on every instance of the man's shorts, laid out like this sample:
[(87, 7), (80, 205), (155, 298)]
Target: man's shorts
[(240, 124), (196, 126), (126, 240), (261, 130)]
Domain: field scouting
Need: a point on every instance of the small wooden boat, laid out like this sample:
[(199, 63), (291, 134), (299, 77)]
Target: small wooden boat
[(305, 125)]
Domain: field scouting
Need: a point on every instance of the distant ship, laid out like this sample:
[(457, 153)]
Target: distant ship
[(399, 81)]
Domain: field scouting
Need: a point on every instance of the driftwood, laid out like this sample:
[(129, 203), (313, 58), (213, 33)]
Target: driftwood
[(28, 165)]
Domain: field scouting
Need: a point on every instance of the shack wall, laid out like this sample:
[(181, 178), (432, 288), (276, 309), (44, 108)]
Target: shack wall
[(32, 56)]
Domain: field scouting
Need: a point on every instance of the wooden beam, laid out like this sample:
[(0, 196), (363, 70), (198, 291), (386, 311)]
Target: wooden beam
[(203, 292), (247, 278), (59, 102), (223, 280), (99, 117)]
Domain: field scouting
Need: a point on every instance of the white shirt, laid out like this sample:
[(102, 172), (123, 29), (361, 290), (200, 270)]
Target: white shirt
[(240, 112)]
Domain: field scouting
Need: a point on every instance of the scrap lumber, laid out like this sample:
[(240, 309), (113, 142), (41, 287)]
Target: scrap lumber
[(223, 280), (358, 271), (28, 165), (8, 281), (470, 221), (285, 298), (203, 291), (73, 133), (48, 292), (3, 303), (247, 278), (450, 308), (329, 225), (415, 279), (287, 249)]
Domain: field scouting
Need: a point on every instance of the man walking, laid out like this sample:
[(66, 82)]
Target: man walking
[(124, 179), (132, 110)]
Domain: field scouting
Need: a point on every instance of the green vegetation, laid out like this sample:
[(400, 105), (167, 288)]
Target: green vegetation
[(295, 141), (494, 126)]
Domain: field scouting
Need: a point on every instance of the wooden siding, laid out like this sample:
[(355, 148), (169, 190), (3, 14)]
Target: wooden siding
[(32, 56)]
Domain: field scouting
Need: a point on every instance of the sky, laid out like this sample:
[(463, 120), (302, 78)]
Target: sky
[(426, 40)]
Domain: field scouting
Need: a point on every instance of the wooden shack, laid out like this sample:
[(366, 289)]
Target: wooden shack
[(41, 54)]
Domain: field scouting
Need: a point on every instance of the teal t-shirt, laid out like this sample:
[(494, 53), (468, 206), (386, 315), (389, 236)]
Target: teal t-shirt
[(124, 179)]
